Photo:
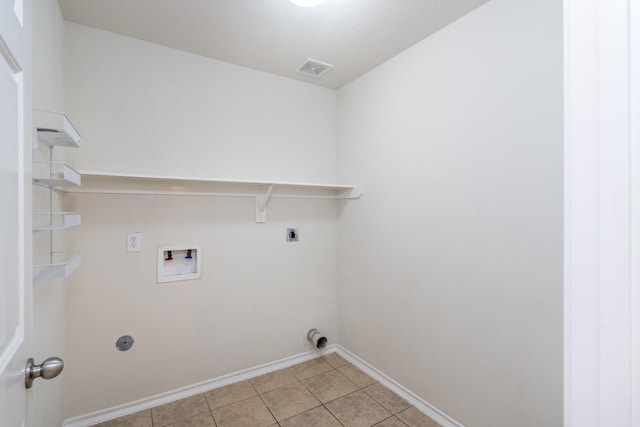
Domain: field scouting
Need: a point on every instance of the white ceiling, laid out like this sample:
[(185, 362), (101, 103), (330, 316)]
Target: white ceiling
[(274, 35)]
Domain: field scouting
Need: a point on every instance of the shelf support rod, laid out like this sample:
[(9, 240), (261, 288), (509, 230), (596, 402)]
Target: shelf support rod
[(262, 198)]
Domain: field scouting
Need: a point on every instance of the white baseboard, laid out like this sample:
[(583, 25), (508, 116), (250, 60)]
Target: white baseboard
[(191, 390), (420, 404)]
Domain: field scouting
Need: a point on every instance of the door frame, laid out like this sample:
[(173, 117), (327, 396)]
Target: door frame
[(634, 127), (602, 180)]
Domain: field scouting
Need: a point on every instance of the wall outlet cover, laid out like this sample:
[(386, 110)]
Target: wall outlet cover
[(293, 235), (134, 242)]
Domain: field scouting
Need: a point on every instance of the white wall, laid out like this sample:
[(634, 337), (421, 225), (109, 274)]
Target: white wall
[(148, 109), (451, 262), (450, 266), (142, 108), (48, 298)]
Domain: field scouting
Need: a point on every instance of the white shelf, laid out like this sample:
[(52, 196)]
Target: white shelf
[(55, 174), (55, 220), (262, 191), (55, 129), (62, 266), (116, 183)]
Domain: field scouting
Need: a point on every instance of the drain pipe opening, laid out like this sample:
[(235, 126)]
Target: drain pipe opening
[(318, 340)]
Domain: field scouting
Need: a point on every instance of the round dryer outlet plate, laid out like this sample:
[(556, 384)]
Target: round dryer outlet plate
[(124, 343)]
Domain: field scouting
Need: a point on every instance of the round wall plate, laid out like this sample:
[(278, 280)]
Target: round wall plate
[(124, 343)]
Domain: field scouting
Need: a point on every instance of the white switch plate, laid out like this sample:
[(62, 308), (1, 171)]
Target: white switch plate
[(134, 242)]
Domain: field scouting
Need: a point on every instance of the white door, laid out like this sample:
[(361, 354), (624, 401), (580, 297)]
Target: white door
[(15, 288)]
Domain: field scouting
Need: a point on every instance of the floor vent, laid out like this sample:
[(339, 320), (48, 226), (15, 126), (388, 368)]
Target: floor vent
[(313, 68)]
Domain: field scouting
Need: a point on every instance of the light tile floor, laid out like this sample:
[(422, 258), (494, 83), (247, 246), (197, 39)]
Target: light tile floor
[(324, 392)]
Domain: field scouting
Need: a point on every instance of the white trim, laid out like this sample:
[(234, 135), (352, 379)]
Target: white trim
[(160, 399), (7, 54), (597, 289), (581, 294), (614, 198), (192, 390), (634, 73), (419, 403), (8, 352)]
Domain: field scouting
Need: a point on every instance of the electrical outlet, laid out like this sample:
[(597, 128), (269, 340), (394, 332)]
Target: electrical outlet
[(134, 242), (293, 235)]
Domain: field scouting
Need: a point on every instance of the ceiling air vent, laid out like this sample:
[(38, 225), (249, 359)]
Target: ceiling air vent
[(313, 68)]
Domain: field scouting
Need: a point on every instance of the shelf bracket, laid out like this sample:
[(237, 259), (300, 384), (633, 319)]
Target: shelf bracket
[(262, 198)]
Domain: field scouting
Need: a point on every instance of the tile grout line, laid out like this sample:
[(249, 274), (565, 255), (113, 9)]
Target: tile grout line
[(333, 415), (215, 424), (322, 403), (301, 381), (265, 403), (298, 380), (337, 369)]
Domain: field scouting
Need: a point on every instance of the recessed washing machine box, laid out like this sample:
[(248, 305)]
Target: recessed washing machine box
[(179, 262)]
